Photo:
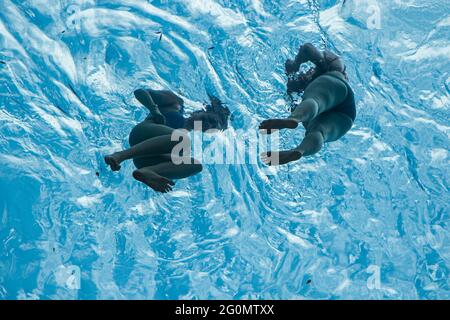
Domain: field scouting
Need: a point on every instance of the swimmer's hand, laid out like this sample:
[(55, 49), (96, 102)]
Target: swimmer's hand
[(291, 66), (158, 117)]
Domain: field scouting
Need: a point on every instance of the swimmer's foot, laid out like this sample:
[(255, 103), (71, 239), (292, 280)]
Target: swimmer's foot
[(113, 161), (277, 124), (277, 158), (153, 180)]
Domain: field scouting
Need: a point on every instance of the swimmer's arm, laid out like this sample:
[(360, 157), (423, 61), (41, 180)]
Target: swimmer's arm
[(336, 64), (307, 52), (146, 100)]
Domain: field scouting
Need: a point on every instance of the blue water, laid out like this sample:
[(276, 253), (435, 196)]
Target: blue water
[(366, 218)]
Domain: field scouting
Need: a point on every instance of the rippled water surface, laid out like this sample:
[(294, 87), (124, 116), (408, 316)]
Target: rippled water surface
[(367, 218)]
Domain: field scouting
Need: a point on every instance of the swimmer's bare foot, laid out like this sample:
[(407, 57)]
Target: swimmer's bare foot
[(275, 158), (277, 124), (153, 180), (113, 161)]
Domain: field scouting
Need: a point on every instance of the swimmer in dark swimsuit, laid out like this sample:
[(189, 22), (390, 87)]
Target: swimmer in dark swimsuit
[(327, 110), (151, 143)]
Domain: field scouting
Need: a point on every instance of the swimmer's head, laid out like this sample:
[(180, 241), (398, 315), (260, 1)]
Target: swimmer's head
[(299, 83), (215, 116)]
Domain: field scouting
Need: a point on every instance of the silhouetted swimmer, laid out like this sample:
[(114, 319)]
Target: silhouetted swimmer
[(151, 143), (327, 110)]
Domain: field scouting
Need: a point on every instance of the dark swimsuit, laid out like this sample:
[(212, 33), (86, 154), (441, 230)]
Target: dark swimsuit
[(348, 106), (174, 119)]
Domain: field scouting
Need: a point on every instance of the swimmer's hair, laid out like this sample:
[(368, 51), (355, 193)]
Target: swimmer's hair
[(215, 113), (299, 83), (217, 107)]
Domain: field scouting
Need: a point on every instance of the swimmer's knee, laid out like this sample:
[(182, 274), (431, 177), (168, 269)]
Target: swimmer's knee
[(317, 135), (195, 165), (306, 111), (312, 143), (140, 94)]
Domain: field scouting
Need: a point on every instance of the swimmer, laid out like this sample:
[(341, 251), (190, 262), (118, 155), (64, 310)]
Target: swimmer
[(151, 143), (327, 110)]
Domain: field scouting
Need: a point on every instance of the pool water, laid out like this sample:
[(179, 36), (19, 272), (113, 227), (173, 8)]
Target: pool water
[(366, 218)]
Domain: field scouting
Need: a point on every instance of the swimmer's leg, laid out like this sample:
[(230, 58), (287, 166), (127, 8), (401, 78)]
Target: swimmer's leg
[(165, 97), (150, 147), (327, 127), (159, 177), (321, 95), (159, 97)]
